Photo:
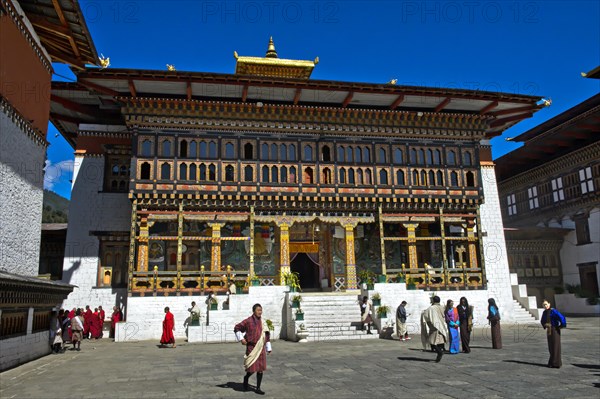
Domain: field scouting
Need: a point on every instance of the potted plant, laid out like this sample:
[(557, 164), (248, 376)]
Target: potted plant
[(296, 299), (239, 286), (292, 280), (299, 314), (214, 304), (400, 278), (382, 278), (376, 298), (410, 284), (302, 333), (270, 325), (255, 281), (382, 311), (363, 276)]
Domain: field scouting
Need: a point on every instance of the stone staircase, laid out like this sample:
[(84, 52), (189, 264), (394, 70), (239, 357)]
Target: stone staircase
[(521, 315), (529, 303), (334, 316)]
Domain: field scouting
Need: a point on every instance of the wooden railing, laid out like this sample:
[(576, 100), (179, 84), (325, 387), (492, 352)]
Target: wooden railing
[(197, 281), (433, 279)]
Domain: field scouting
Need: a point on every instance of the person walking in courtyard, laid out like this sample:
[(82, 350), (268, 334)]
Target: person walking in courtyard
[(553, 321), (95, 325), (56, 340), (77, 330), (401, 316), (87, 322), (434, 331), (365, 314), (494, 320), (465, 317), (195, 314), (254, 334), (102, 316), (168, 327), (453, 324)]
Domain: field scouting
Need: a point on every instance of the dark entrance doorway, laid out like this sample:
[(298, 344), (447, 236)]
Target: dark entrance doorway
[(308, 271)]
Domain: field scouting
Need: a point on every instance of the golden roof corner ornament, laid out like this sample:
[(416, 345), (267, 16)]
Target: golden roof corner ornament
[(316, 61), (171, 67), (104, 61), (393, 81), (235, 55), (546, 102), (584, 74)]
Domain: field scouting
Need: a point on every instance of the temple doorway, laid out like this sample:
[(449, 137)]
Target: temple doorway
[(307, 270)]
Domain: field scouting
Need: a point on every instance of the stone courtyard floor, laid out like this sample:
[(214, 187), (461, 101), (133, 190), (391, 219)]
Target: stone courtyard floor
[(338, 369)]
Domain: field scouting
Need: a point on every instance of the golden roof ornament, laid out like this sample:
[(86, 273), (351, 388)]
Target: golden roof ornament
[(171, 67), (272, 66), (271, 53), (104, 62)]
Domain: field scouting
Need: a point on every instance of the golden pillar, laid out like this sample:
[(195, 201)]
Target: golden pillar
[(215, 255), (284, 252), (179, 243), (251, 268), (132, 241), (142, 263), (472, 244), (382, 241), (351, 283), (413, 262)]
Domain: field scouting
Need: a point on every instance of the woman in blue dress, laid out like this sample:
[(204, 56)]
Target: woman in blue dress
[(553, 321), (494, 319), (453, 324)]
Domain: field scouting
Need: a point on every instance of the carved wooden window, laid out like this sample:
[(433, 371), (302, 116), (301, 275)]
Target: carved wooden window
[(166, 148), (193, 172), (265, 174), (358, 154), (212, 149), (147, 148), (468, 159), (368, 177), (264, 152), (326, 176), (145, 169), (349, 154), (274, 152), (439, 178), (283, 175), (398, 156), (116, 175), (283, 152), (183, 149), (341, 154), (292, 177), (367, 154), (454, 179), (431, 176), (113, 263), (165, 171), (400, 178), (292, 152), (586, 181), (470, 179), (511, 204), (383, 177), (342, 176), (429, 157), (359, 177), (248, 151), (532, 195), (582, 229), (421, 157), (351, 176), (451, 158), (203, 149), (558, 193), (413, 156), (382, 155), (415, 178), (308, 175), (183, 171), (326, 154), (274, 174), (229, 173), (229, 151), (248, 173), (437, 157), (202, 172), (193, 149), (212, 172)]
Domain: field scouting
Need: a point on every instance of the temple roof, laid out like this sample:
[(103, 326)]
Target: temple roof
[(571, 130), (593, 74), (98, 94), (273, 66), (62, 30)]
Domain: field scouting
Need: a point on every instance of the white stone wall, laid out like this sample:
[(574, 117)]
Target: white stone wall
[(572, 254), (91, 210), (494, 244), (21, 198), (146, 314), (19, 350)]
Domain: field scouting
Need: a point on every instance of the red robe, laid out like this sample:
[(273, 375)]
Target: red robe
[(252, 327), (168, 325), (116, 317), (95, 326), (71, 315), (87, 320)]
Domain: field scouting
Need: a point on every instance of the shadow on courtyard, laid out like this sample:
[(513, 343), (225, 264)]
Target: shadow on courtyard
[(526, 363), (414, 359), (236, 386)]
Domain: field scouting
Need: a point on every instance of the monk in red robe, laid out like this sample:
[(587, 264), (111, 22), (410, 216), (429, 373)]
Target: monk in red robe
[(71, 315), (87, 320), (116, 317), (168, 327), (258, 343), (102, 316), (95, 326)]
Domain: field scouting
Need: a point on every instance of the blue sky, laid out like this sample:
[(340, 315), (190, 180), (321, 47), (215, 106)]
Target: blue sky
[(526, 47)]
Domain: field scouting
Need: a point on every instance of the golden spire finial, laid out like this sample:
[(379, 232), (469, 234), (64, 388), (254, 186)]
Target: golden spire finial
[(271, 53)]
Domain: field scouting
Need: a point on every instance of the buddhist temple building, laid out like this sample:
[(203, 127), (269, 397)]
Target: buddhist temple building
[(186, 180), (33, 35), (550, 195)]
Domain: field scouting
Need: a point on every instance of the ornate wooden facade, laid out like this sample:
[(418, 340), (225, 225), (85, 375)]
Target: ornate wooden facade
[(239, 174)]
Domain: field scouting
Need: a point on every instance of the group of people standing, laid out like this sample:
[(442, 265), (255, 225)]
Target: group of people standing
[(76, 325)]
